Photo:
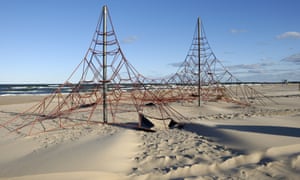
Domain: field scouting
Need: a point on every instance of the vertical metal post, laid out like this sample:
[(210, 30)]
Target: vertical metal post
[(199, 60), (104, 82)]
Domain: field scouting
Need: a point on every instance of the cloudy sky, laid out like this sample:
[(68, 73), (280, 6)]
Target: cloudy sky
[(43, 41)]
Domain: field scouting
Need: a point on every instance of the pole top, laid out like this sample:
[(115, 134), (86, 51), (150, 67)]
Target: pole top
[(104, 8), (199, 20)]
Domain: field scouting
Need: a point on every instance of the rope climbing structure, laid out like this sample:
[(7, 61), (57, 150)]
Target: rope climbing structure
[(208, 79), (105, 88)]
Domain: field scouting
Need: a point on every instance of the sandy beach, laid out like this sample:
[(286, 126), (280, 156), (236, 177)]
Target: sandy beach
[(219, 140)]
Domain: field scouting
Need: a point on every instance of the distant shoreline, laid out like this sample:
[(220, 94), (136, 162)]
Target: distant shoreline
[(46, 89), (241, 82)]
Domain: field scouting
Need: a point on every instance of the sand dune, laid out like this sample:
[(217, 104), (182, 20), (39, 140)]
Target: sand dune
[(100, 153), (219, 141)]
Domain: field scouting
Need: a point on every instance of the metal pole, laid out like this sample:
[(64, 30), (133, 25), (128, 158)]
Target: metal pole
[(104, 65), (199, 60)]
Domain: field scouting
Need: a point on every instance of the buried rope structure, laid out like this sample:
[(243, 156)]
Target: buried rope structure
[(108, 83)]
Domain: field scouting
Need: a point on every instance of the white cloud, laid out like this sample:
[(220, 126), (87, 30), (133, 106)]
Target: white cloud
[(295, 58), (237, 31), (271, 77), (256, 71), (130, 39), (256, 66), (176, 64), (290, 34)]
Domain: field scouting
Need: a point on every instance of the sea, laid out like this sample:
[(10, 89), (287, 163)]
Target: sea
[(30, 89), (45, 89)]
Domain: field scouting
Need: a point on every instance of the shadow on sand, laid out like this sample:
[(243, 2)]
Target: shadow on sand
[(132, 126), (212, 132), (273, 130)]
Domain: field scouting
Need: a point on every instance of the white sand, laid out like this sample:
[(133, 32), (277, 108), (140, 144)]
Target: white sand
[(80, 154), (220, 141)]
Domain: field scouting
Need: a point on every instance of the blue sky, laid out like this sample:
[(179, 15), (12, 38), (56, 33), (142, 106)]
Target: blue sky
[(42, 41)]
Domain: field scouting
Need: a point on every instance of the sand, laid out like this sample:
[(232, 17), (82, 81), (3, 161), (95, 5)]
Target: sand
[(5, 100), (219, 141)]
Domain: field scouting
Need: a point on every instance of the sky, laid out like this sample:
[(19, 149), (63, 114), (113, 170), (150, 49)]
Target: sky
[(42, 41)]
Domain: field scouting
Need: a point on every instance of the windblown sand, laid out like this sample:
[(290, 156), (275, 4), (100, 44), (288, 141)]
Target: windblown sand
[(220, 141)]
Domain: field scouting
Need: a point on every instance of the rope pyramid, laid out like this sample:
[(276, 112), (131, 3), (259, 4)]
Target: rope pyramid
[(127, 94), (214, 81), (111, 91)]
